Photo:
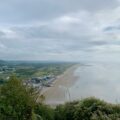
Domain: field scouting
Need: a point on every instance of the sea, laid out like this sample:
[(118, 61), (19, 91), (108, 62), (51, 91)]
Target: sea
[(97, 79)]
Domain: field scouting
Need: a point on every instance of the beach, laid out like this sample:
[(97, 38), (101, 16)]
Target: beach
[(59, 92)]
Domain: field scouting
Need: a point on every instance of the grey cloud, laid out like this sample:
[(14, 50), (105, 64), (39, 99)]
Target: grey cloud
[(58, 30), (99, 43), (2, 34), (112, 28), (24, 11)]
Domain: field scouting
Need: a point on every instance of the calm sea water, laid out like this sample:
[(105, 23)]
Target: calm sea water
[(101, 80)]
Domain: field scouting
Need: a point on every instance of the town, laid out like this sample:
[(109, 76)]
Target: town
[(37, 82)]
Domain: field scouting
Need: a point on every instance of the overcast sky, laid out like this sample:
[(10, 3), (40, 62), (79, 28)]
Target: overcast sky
[(62, 30)]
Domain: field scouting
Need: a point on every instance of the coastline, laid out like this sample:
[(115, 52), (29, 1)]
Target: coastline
[(58, 93)]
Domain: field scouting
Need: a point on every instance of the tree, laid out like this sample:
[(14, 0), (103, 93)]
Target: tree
[(45, 111), (16, 100)]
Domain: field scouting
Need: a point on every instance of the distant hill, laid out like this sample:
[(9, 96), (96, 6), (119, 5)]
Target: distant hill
[(2, 62)]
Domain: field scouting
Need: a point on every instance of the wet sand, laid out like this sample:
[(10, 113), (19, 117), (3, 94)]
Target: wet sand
[(59, 92)]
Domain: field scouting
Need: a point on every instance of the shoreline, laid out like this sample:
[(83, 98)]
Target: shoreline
[(59, 92)]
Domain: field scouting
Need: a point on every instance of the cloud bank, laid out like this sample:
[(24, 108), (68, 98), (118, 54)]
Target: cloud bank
[(60, 30)]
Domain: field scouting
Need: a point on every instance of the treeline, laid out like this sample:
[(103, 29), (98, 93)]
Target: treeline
[(20, 102)]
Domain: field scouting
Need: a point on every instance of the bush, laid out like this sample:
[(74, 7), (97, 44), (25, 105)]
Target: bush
[(16, 101), (46, 112), (87, 109)]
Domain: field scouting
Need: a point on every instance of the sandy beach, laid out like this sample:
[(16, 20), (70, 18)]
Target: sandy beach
[(59, 92)]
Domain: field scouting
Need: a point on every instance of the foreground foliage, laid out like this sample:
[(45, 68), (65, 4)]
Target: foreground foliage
[(18, 102), (88, 109)]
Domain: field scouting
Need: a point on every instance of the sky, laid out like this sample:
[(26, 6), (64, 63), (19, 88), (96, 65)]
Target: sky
[(60, 30)]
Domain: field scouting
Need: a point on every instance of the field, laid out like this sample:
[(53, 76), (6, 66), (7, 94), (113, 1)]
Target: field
[(26, 70)]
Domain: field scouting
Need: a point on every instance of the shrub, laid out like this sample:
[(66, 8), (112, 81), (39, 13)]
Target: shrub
[(16, 101), (87, 109), (46, 112)]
